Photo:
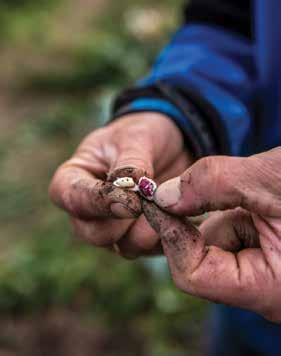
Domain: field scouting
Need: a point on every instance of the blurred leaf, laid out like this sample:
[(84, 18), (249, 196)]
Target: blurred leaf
[(41, 265)]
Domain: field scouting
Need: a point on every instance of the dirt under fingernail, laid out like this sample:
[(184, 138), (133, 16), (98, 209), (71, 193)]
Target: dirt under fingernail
[(121, 172)]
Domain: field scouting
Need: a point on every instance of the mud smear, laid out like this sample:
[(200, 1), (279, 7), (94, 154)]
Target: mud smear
[(182, 242), (161, 221), (130, 200)]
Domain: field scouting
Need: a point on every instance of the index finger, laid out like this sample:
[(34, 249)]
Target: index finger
[(84, 196), (210, 272)]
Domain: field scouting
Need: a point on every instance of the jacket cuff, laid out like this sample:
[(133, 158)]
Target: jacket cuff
[(197, 135)]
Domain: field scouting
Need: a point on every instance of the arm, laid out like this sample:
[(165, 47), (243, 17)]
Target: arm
[(204, 80)]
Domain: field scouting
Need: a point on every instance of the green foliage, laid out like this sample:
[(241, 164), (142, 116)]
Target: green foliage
[(98, 64), (42, 265), (19, 18)]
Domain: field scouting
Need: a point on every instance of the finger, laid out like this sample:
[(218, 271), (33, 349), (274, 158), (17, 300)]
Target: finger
[(134, 157), (140, 240), (137, 147), (210, 272), (129, 171), (175, 168), (220, 183), (84, 196), (102, 232), (178, 235), (231, 230), (210, 184), (270, 239)]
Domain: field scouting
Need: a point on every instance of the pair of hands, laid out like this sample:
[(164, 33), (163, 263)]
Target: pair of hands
[(235, 255)]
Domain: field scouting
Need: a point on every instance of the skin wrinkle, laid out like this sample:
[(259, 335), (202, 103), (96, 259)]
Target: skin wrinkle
[(108, 154), (81, 162), (238, 268), (244, 230), (76, 185), (263, 250), (266, 172), (208, 271), (256, 279)]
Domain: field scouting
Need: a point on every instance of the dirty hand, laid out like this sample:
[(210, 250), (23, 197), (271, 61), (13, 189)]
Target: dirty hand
[(102, 214), (235, 256)]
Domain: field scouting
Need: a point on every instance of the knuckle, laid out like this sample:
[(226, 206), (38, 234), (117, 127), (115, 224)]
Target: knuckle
[(182, 282), (88, 233), (68, 201), (211, 168), (202, 166), (225, 175)]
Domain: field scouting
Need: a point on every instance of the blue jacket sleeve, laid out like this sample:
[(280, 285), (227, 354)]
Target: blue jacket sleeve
[(205, 80)]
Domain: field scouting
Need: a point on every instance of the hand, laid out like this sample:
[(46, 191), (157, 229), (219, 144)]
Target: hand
[(102, 214), (235, 258)]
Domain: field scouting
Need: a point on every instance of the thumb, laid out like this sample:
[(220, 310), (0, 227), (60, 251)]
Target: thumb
[(212, 183), (140, 142), (133, 160)]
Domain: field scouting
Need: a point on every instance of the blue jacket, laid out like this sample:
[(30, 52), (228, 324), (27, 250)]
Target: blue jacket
[(229, 80), (222, 87)]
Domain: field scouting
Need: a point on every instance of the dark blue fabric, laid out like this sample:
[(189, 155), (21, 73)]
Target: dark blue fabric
[(162, 106), (236, 332), (220, 66), (242, 80), (268, 55), (169, 109)]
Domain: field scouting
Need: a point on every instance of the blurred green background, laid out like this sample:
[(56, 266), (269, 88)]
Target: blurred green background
[(61, 63)]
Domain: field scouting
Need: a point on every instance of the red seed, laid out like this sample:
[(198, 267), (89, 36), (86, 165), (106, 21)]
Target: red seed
[(146, 187)]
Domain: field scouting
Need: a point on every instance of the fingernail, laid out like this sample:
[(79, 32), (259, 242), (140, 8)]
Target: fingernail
[(125, 171), (121, 211), (168, 193)]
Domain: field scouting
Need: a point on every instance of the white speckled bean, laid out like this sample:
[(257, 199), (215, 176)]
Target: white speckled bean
[(125, 182)]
